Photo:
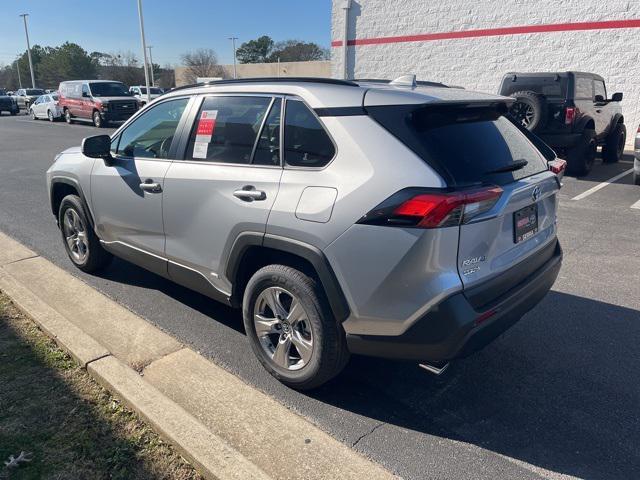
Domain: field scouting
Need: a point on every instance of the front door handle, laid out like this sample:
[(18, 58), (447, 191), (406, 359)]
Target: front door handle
[(248, 193), (150, 186)]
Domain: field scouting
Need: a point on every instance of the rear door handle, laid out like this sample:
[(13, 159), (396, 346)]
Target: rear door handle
[(150, 186), (248, 193)]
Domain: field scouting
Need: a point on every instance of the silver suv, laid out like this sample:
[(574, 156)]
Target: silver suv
[(393, 219)]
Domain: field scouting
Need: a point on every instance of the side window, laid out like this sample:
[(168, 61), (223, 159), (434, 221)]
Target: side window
[(584, 88), (268, 147), (599, 88), (226, 129), (306, 143), (85, 89), (151, 134)]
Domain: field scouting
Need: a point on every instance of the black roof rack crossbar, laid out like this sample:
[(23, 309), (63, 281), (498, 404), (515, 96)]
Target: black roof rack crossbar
[(234, 81), (424, 83)]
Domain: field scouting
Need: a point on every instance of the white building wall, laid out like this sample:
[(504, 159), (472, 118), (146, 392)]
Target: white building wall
[(479, 63)]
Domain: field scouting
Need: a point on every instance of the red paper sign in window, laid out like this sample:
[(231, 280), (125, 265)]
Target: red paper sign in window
[(206, 125)]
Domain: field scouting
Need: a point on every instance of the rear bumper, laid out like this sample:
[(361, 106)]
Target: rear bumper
[(562, 140), (454, 329)]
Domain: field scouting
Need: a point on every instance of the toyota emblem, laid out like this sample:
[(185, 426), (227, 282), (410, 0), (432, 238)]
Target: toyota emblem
[(536, 193)]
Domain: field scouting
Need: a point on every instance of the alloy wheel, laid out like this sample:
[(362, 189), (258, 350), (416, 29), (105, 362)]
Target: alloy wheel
[(50, 116), (283, 328), (523, 113), (75, 234)]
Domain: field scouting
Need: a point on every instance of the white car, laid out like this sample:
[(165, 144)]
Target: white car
[(140, 92), (46, 106)]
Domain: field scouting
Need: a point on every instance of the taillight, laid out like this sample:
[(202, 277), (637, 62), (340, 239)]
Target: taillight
[(558, 166), (420, 208), (569, 115)]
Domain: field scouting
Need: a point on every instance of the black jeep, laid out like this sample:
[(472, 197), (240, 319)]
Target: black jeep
[(570, 111)]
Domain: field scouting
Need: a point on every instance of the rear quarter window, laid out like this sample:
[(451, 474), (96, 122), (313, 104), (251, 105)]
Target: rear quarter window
[(465, 147)]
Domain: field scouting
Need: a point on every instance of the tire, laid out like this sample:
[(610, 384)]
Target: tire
[(97, 119), (14, 113), (67, 116), (613, 149), (80, 242), (33, 115), (327, 354), (636, 178), (580, 159), (50, 116), (529, 109)]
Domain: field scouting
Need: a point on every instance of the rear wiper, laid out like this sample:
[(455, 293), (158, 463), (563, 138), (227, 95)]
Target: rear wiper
[(516, 165)]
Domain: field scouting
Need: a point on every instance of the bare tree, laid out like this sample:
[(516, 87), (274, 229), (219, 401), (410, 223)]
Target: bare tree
[(201, 63)]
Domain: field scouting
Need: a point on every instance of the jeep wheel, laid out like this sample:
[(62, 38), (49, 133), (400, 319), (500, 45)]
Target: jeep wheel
[(291, 329), (97, 119), (67, 116), (580, 159), (529, 109), (613, 149), (80, 241)]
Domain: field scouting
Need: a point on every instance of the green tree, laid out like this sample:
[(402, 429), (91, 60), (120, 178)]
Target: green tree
[(69, 61), (297, 51), (255, 51)]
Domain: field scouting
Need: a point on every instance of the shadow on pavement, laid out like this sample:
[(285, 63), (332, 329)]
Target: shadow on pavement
[(126, 273), (561, 391)]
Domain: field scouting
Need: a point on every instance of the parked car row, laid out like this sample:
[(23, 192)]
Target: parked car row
[(96, 101)]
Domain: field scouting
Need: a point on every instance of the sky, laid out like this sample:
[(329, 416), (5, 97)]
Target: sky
[(172, 27)]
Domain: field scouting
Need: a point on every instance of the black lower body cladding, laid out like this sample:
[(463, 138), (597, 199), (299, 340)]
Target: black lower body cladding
[(455, 329)]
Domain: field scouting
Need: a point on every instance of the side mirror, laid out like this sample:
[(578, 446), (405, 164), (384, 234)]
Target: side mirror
[(85, 94), (617, 97), (599, 99), (98, 146)]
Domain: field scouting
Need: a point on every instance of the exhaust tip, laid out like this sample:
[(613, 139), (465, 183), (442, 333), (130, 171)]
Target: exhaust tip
[(435, 369)]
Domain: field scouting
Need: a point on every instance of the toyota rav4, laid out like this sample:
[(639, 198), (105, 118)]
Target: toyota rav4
[(387, 219)]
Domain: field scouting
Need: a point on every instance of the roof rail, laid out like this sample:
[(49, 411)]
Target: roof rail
[(234, 81), (420, 83)]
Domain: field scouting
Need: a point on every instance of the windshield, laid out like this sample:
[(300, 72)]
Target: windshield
[(109, 89), (34, 91), (154, 90)]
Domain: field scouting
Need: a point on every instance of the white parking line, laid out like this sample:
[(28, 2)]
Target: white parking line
[(636, 205), (602, 185)]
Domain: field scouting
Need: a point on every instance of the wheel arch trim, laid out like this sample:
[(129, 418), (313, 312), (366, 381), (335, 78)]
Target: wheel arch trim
[(76, 185), (313, 255)]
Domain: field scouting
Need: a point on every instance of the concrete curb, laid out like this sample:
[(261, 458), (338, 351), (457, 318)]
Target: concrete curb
[(213, 418)]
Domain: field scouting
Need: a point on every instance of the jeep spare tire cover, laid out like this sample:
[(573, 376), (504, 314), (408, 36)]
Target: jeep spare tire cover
[(529, 109)]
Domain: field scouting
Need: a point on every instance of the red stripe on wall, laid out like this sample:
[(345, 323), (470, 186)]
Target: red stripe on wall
[(494, 32)]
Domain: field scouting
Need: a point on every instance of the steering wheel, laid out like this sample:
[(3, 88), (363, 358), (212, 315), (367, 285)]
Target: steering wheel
[(164, 147)]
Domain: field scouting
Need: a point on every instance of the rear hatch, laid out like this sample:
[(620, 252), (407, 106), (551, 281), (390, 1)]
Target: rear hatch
[(497, 180), (552, 88)]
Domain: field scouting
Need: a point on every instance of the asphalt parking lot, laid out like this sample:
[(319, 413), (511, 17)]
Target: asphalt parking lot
[(555, 397)]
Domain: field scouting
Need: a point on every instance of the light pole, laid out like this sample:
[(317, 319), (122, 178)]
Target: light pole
[(233, 42), (18, 70), (153, 81), (26, 32), (144, 50)]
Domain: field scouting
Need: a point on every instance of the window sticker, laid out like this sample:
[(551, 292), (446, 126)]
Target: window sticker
[(206, 126), (200, 149)]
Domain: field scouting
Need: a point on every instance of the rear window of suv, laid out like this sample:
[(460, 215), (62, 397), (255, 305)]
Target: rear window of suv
[(466, 146), (552, 86)]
